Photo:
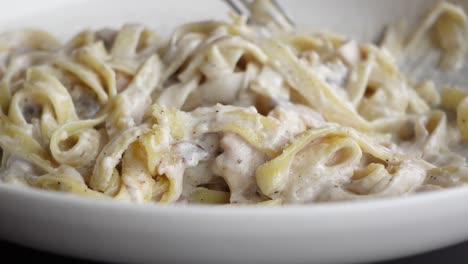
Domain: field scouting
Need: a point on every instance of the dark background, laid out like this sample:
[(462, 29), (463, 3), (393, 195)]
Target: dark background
[(453, 255)]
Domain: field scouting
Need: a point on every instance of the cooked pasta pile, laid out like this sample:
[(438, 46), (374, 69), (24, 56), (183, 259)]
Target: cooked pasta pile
[(250, 113)]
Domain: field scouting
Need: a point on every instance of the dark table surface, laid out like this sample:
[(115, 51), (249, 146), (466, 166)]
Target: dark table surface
[(453, 255)]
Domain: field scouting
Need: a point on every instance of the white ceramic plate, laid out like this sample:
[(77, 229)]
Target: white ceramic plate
[(326, 233)]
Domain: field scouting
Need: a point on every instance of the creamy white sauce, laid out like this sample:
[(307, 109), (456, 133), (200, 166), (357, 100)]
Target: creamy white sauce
[(237, 165)]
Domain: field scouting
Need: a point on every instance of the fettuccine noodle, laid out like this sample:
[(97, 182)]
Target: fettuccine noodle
[(231, 112)]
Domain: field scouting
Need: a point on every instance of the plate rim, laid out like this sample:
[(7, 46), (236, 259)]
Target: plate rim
[(339, 207)]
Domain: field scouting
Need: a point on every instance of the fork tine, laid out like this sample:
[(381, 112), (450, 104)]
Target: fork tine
[(242, 7), (234, 7), (281, 10), (246, 3)]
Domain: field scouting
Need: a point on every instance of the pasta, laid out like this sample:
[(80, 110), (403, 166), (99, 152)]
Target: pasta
[(232, 113)]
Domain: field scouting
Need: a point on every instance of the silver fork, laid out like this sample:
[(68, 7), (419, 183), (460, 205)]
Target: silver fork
[(419, 67), (274, 10), (423, 64)]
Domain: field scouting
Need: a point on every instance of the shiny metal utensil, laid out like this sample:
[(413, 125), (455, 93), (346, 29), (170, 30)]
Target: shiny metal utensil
[(419, 66), (272, 7)]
